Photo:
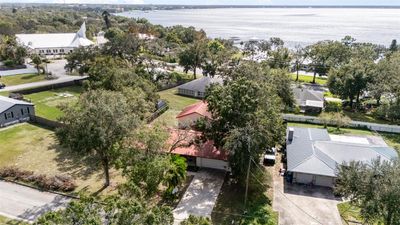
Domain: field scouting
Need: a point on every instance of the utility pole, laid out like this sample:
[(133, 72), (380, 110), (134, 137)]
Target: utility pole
[(248, 172)]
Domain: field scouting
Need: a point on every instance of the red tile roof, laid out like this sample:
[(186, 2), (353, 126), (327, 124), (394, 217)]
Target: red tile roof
[(189, 147), (200, 108)]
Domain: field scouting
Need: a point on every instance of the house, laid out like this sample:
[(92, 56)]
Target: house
[(197, 153), (309, 100), (189, 115), (14, 111), (313, 155), (55, 44), (197, 88)]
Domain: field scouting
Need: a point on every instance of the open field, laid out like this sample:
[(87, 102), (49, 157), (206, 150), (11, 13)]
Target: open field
[(176, 103), (309, 79), (35, 148), (21, 79), (46, 102)]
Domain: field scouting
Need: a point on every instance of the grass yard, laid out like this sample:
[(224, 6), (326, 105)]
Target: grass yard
[(229, 208), (364, 117), (7, 221), (349, 213), (309, 79), (333, 130), (35, 148), (21, 79), (176, 104), (392, 140), (46, 102)]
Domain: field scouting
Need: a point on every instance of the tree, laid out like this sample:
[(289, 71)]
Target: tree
[(246, 112), (145, 164), (106, 18), (196, 220), (112, 210), (216, 56), (97, 125), (340, 120), (279, 58), (193, 56), (393, 46), (327, 54), (80, 59), (37, 60), (299, 55), (374, 187), (350, 80)]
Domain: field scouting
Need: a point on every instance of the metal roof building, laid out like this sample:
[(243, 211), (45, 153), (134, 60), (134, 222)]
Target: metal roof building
[(197, 88), (313, 157), (14, 111)]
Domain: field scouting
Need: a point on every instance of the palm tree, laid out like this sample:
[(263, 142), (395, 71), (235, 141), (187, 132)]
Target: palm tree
[(106, 18)]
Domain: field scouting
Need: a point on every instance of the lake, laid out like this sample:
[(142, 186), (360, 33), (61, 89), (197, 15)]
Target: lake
[(294, 25)]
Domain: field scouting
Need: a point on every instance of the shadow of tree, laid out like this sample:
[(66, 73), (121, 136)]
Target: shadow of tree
[(35, 212)]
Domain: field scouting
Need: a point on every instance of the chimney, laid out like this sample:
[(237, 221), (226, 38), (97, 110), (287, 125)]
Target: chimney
[(290, 134)]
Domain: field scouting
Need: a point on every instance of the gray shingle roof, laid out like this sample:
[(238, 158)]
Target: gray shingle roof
[(302, 95), (6, 103), (202, 83), (313, 152)]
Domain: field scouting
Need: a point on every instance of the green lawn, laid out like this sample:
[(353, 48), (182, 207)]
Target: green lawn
[(7, 221), (392, 140), (47, 102), (176, 104), (359, 116), (333, 129), (35, 148), (309, 79), (21, 79), (348, 212)]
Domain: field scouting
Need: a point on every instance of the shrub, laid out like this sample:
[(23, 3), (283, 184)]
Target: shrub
[(55, 183), (333, 106), (9, 63)]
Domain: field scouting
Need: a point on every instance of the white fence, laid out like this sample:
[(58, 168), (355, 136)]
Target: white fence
[(353, 124)]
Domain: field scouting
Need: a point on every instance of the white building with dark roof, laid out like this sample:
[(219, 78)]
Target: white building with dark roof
[(313, 155), (14, 111), (309, 100), (55, 43), (197, 88)]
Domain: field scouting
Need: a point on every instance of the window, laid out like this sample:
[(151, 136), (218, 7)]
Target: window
[(62, 50), (55, 50), (8, 115), (28, 110), (12, 114), (48, 51), (22, 111)]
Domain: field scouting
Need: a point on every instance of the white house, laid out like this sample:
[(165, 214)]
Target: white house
[(55, 43), (14, 111)]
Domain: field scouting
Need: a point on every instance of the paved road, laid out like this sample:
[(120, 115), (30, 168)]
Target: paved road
[(56, 67), (201, 195), (23, 203)]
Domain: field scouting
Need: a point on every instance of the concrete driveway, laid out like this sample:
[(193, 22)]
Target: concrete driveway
[(201, 195), (23, 203), (301, 205)]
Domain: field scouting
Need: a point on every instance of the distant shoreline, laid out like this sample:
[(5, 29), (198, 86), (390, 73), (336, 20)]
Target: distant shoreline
[(173, 7)]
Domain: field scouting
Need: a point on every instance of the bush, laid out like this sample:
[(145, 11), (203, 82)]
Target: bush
[(9, 63), (333, 106), (55, 183)]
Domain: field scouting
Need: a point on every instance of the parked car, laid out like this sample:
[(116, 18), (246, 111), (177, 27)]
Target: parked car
[(2, 85), (269, 156)]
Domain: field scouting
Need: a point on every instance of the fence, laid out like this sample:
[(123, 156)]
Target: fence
[(353, 124), (157, 113), (50, 87), (45, 122)]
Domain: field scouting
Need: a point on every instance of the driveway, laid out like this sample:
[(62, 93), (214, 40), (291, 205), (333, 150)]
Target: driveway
[(23, 203), (201, 195), (301, 205)]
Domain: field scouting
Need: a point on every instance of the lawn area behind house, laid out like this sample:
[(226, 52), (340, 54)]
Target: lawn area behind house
[(34, 148), (176, 103), (309, 79), (47, 102), (230, 209), (21, 79), (365, 117), (7, 221), (333, 130)]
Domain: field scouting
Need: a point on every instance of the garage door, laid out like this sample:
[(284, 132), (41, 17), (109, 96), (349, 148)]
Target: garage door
[(212, 163), (324, 181), (303, 178)]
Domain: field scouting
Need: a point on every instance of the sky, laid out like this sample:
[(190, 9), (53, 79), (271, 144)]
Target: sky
[(224, 2)]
